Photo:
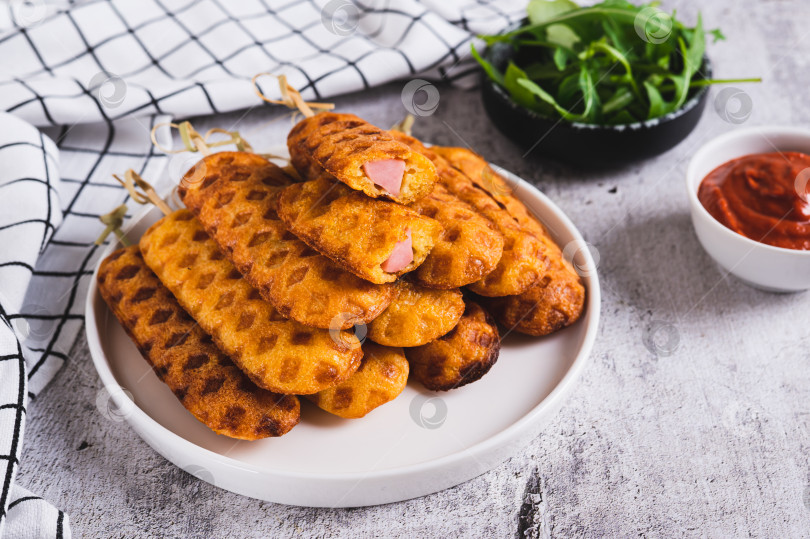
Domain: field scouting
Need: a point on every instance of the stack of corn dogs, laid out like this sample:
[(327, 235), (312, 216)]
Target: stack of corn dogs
[(246, 299)]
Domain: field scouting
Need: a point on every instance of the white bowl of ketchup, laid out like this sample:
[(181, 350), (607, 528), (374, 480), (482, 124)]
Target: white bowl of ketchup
[(754, 184)]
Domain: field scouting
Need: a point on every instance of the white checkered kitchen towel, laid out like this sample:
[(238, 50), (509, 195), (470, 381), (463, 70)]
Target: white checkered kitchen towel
[(96, 76)]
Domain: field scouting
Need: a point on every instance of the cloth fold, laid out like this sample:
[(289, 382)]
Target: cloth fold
[(53, 198), (102, 60), (29, 215), (97, 75), (31, 517)]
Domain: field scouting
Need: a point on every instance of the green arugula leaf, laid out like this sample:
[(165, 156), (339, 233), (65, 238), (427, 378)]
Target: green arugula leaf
[(658, 107), (538, 71), (521, 95), (594, 64), (589, 95), (615, 34), (718, 35), (561, 57), (621, 118), (569, 92), (543, 10), (548, 98), (620, 99), (697, 48), (562, 36), (489, 69)]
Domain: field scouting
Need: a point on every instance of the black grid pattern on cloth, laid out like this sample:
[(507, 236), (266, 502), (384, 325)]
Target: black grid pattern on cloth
[(52, 310), (51, 521), (54, 305), (108, 59), (12, 409), (29, 215)]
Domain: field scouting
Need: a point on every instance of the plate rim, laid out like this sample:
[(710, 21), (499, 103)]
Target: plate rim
[(137, 417)]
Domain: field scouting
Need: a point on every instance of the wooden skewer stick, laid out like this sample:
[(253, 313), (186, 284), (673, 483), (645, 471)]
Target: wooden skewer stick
[(115, 219), (290, 97), (193, 141), (133, 180), (405, 126)]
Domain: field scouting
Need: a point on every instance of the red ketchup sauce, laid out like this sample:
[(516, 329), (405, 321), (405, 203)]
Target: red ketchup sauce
[(765, 197)]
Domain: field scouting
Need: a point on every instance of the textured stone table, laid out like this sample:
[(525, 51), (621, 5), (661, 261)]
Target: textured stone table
[(710, 440)]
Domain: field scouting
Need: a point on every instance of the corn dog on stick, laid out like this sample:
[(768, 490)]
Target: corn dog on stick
[(523, 262), (377, 240), (204, 379), (382, 376), (555, 301), (469, 248), (462, 356), (417, 316), (362, 156), (234, 196), (478, 171), (277, 354)]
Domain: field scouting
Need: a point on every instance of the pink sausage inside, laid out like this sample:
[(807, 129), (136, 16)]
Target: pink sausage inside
[(401, 256), (387, 173)]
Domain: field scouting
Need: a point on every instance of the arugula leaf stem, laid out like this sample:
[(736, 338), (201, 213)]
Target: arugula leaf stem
[(565, 17), (708, 82), (619, 57)]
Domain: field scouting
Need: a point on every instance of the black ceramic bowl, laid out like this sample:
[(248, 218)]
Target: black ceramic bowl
[(587, 145)]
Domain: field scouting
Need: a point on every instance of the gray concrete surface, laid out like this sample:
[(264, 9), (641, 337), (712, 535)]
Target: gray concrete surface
[(710, 440)]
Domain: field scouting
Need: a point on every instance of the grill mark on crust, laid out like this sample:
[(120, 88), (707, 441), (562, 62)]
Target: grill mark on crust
[(186, 358), (380, 378), (334, 146), (351, 229), (462, 356)]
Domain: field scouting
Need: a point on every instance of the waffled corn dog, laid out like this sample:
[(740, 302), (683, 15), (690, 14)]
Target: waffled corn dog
[(374, 239), (234, 196), (417, 316), (204, 379), (360, 155), (468, 249), (555, 301), (277, 354), (478, 171), (523, 262), (462, 356), (382, 376)]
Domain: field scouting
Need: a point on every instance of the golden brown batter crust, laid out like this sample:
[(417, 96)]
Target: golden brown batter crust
[(462, 356), (357, 232), (204, 379), (234, 196), (417, 316), (555, 301), (523, 262), (277, 354), (382, 376), (469, 248)]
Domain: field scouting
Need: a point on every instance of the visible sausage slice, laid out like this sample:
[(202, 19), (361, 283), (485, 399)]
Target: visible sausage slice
[(401, 256), (387, 173)]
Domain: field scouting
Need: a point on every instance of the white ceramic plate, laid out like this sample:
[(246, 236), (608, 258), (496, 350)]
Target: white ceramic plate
[(420, 443)]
